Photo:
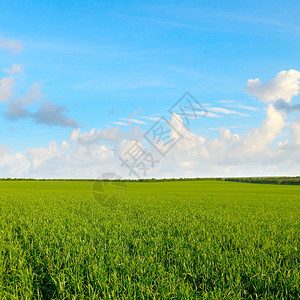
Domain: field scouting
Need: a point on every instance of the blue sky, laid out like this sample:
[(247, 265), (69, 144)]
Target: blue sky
[(110, 66)]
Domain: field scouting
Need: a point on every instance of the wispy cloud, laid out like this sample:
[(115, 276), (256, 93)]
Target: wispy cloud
[(236, 104), (212, 115), (231, 127), (119, 123), (223, 101), (12, 45), (150, 118), (226, 111), (14, 69), (136, 121), (243, 107), (195, 115)]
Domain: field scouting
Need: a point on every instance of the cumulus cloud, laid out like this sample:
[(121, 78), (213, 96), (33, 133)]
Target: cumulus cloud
[(286, 107), (283, 87), (39, 156), (294, 128), (70, 160), (46, 113), (13, 165), (253, 154), (94, 137), (7, 83), (52, 114), (18, 109), (31, 104), (12, 45), (3, 150), (111, 134), (6, 88), (256, 142)]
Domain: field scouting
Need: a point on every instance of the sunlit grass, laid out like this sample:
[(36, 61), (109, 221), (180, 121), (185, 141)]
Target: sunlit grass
[(164, 240)]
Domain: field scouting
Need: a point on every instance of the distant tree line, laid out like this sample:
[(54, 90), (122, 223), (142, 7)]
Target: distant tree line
[(125, 180), (262, 180), (268, 180)]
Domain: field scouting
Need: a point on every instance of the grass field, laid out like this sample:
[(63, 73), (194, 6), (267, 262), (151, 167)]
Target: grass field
[(165, 240)]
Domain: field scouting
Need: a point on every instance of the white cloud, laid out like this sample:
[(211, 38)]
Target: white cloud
[(236, 104), (283, 87), (151, 118), (223, 101), (12, 45), (233, 155), (191, 115), (14, 69), (94, 137), (244, 107), (70, 160), (6, 88), (39, 156), (13, 165), (212, 115), (294, 128), (119, 123), (136, 121), (256, 142), (226, 111), (111, 134)]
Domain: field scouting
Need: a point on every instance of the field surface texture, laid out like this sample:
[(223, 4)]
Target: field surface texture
[(164, 240)]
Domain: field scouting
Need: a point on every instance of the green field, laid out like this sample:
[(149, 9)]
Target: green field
[(165, 240)]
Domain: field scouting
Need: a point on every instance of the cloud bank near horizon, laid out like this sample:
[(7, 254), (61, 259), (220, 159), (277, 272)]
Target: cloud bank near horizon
[(260, 152)]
